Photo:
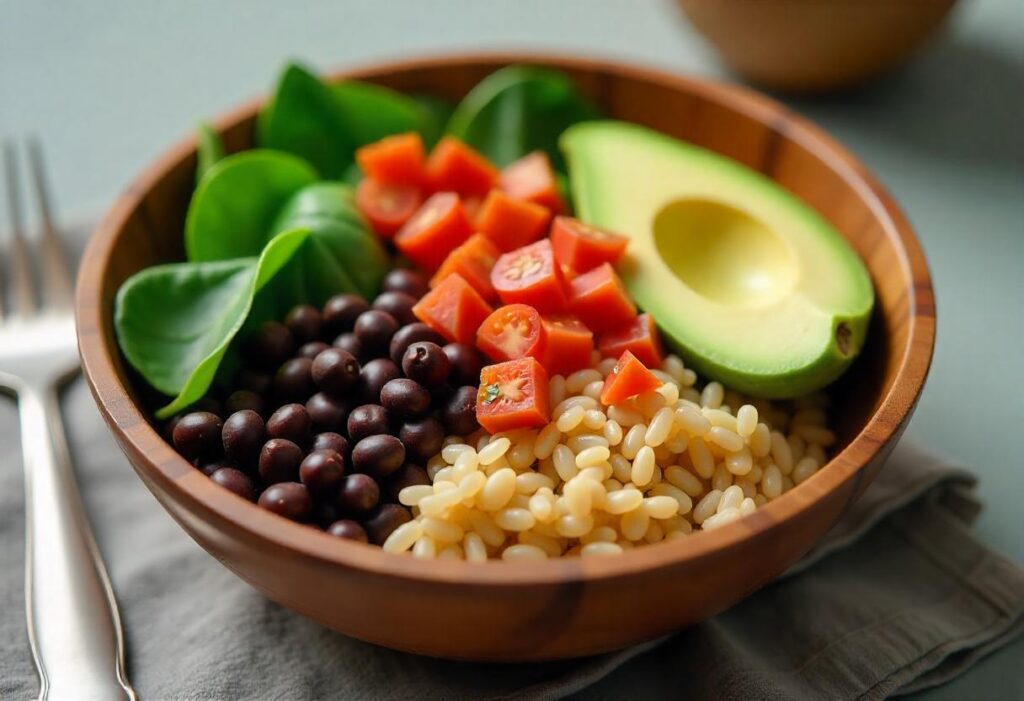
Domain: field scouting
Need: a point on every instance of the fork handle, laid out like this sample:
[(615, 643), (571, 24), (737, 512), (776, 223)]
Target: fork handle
[(74, 627)]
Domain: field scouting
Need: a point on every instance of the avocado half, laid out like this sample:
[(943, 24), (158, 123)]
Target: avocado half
[(749, 284)]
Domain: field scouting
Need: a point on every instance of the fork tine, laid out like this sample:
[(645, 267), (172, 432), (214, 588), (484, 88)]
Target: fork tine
[(22, 297), (57, 277)]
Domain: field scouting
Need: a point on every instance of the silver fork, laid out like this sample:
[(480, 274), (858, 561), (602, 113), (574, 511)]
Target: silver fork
[(73, 624)]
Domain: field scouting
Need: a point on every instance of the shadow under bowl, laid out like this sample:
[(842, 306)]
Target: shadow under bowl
[(558, 608)]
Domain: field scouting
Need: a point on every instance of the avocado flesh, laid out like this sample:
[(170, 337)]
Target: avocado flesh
[(749, 284)]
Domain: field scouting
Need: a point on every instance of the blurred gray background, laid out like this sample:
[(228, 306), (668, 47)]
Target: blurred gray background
[(109, 85)]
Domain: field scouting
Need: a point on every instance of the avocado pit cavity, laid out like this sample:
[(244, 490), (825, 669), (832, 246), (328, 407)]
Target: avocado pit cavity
[(723, 253)]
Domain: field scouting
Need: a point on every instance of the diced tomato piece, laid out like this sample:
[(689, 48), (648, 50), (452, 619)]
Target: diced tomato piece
[(582, 247), (511, 332), (600, 300), (529, 275), (394, 160), (531, 178), (437, 228), (472, 260), (455, 166), (453, 309), (568, 344), (511, 223), (386, 207), (640, 337), (513, 395), (627, 379), (472, 206)]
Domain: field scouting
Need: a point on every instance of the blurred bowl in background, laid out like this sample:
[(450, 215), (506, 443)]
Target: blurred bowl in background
[(814, 45)]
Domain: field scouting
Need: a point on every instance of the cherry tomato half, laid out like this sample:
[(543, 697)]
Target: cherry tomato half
[(511, 332), (529, 275), (386, 207)]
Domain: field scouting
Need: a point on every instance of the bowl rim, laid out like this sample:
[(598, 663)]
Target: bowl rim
[(156, 461)]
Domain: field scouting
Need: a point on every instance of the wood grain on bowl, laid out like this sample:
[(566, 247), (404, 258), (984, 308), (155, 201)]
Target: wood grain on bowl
[(565, 607)]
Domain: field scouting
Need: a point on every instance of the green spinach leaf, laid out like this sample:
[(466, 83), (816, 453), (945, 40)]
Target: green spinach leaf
[(373, 111), (249, 198), (305, 119), (174, 322), (519, 109), (210, 149), (238, 200), (437, 111), (343, 255), (325, 124)]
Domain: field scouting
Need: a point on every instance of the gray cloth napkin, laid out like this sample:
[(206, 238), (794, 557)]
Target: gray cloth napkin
[(897, 598)]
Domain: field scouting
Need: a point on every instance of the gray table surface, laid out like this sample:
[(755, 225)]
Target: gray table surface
[(108, 85)]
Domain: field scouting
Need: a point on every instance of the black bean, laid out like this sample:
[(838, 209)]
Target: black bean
[(279, 461), (272, 344), (304, 322), (384, 521), (378, 456), (464, 363), (243, 435), (328, 440), (235, 481), (459, 412), (398, 304), (426, 363), (325, 512), (340, 313), (197, 435), (255, 381), (405, 399), (350, 530), (368, 420), (243, 399), (168, 431), (288, 499), (209, 404), (409, 281), (209, 468), (408, 475), (294, 380), (422, 439), (374, 375), (358, 495), (327, 413), (292, 422), (374, 330), (321, 471), (349, 342), (312, 349), (408, 335), (335, 371)]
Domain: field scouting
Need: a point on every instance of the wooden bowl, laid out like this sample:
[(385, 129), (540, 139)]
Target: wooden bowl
[(811, 45), (559, 608)]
